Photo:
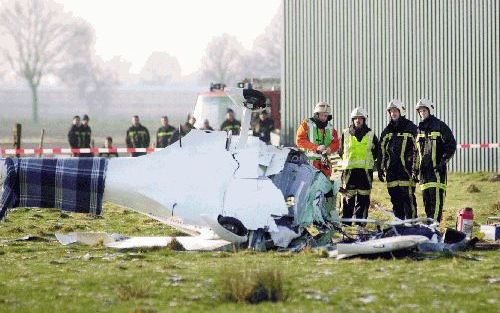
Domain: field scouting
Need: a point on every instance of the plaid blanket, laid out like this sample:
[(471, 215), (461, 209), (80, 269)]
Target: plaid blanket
[(73, 184)]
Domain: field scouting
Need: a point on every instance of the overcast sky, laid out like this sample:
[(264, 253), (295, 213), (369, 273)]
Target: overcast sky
[(135, 28)]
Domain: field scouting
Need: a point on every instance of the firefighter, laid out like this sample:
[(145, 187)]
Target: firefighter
[(231, 123), (85, 135), (137, 136), (264, 127), (164, 133), (358, 150), (206, 125), (74, 137), (317, 136), (396, 161), (183, 130), (435, 145)]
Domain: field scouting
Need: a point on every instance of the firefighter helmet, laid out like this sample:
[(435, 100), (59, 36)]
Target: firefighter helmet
[(397, 104), (322, 107), (425, 103), (359, 112)]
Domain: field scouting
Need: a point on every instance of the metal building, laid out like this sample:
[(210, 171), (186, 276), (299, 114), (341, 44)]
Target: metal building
[(366, 52)]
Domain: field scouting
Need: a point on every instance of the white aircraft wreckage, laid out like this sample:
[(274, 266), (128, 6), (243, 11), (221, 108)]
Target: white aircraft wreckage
[(223, 189)]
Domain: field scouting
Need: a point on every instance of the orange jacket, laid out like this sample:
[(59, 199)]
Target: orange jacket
[(302, 140)]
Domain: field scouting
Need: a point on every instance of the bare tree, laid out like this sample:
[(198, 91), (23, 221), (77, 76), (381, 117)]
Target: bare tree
[(160, 68), (38, 34), (86, 73), (223, 59), (265, 58)]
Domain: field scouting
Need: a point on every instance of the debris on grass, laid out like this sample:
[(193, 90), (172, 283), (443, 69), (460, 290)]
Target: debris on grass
[(252, 286), (132, 291), (494, 178), (473, 189), (367, 299)]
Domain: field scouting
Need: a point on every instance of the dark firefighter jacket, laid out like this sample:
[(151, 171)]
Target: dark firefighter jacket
[(74, 137), (397, 154), (234, 126), (358, 178), (163, 136), (435, 145), (137, 137), (85, 135), (265, 128)]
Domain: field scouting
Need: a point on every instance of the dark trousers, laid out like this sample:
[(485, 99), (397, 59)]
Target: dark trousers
[(356, 205), (404, 203), (433, 202)]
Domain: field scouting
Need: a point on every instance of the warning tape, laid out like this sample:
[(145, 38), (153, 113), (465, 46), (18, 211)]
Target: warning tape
[(53, 151), (38, 151)]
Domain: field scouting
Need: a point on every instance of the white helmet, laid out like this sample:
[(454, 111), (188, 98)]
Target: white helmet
[(359, 112), (425, 103), (396, 103), (322, 107)]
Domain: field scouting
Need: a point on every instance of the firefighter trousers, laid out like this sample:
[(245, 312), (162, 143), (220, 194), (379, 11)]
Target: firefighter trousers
[(355, 205), (404, 203), (433, 201)]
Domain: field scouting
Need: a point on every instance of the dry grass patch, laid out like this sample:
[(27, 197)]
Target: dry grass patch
[(252, 285)]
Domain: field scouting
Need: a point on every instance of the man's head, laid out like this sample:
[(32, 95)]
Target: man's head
[(322, 111), (358, 117), (76, 120), (108, 142), (192, 120), (135, 120), (206, 123), (164, 121), (85, 120), (230, 115), (396, 109), (424, 108), (423, 112)]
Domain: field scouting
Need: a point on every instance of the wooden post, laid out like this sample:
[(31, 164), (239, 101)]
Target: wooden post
[(42, 135), (17, 133)]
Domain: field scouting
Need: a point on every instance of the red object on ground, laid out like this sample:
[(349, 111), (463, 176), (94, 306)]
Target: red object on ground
[(465, 220)]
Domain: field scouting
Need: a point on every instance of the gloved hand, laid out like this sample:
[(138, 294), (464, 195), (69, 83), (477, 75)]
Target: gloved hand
[(381, 176), (441, 167), (320, 149)]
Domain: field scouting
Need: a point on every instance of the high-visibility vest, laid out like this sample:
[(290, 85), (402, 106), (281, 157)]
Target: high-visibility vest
[(317, 137), (357, 154)]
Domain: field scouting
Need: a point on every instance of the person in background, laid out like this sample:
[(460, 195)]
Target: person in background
[(206, 125), (358, 150), (74, 137), (397, 160), (436, 145), (231, 124), (264, 127), (86, 136), (108, 143), (137, 136), (184, 130), (164, 133)]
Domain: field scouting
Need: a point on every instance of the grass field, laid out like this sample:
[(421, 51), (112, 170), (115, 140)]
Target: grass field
[(44, 276)]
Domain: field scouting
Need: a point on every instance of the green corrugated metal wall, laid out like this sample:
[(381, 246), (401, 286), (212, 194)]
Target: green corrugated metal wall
[(366, 52)]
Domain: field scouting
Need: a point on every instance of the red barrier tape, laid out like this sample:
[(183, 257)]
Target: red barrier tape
[(54, 151)]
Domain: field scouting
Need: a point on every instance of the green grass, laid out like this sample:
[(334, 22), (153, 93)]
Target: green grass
[(44, 276)]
